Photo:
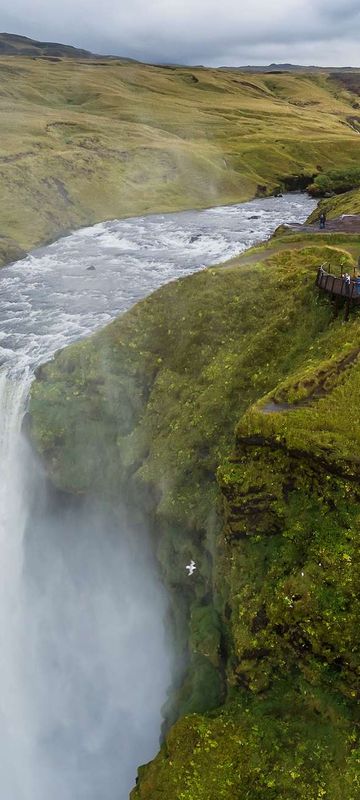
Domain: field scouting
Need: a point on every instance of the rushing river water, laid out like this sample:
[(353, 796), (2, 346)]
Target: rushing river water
[(83, 660)]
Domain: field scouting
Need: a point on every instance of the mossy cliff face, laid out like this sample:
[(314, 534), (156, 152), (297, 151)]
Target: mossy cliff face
[(266, 630)]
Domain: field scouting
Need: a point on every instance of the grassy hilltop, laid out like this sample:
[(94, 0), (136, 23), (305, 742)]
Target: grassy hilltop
[(267, 708), (86, 140)]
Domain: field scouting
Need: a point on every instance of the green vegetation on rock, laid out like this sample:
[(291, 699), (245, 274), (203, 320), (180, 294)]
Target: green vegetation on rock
[(348, 203), (335, 181), (267, 633), (274, 748)]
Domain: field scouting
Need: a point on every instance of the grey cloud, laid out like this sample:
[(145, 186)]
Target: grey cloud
[(345, 10), (203, 32)]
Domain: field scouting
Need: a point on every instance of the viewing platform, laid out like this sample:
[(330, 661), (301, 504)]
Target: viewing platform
[(339, 288)]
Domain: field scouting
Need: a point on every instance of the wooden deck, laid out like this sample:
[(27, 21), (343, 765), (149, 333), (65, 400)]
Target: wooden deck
[(339, 290)]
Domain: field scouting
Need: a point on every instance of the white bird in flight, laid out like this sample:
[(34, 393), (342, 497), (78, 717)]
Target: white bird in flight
[(191, 567)]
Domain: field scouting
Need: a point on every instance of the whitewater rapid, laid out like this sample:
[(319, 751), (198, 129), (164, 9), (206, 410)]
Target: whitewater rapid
[(84, 664), (68, 289)]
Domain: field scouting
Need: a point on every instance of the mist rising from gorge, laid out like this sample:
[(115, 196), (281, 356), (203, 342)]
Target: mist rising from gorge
[(84, 664)]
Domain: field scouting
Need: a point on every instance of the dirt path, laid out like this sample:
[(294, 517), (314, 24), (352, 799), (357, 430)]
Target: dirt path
[(262, 255), (347, 223)]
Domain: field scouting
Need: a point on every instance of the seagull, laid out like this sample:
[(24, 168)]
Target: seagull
[(191, 567)]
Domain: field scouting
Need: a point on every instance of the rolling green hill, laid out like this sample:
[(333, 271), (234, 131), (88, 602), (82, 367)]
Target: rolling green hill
[(86, 140)]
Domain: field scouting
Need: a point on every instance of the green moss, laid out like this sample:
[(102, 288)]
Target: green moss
[(275, 748), (205, 633), (292, 575), (335, 181), (201, 690)]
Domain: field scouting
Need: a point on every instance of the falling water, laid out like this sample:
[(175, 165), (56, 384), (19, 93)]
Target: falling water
[(83, 660), (16, 756)]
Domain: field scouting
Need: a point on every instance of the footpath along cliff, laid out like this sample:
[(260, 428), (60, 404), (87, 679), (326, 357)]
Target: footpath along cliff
[(265, 702)]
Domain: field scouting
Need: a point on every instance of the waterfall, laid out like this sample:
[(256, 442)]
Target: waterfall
[(83, 662), (84, 666), (16, 756)]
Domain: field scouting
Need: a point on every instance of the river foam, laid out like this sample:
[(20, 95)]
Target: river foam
[(68, 289)]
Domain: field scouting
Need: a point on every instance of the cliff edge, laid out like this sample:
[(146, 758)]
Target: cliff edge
[(265, 703)]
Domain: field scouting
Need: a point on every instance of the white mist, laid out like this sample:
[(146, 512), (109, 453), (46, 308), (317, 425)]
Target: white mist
[(84, 666)]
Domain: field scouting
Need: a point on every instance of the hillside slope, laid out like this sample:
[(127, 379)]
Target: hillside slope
[(11, 44), (83, 141), (348, 203), (268, 704)]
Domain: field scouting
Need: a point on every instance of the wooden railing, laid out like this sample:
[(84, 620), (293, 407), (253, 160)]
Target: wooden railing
[(339, 287)]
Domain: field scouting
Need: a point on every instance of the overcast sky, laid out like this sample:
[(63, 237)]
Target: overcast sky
[(212, 32)]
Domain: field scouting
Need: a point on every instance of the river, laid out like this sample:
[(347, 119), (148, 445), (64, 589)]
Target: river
[(84, 663)]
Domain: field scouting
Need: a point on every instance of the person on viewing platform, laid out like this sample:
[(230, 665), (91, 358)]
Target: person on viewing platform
[(322, 220), (346, 278)]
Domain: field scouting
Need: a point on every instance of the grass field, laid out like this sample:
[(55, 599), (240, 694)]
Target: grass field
[(83, 141)]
